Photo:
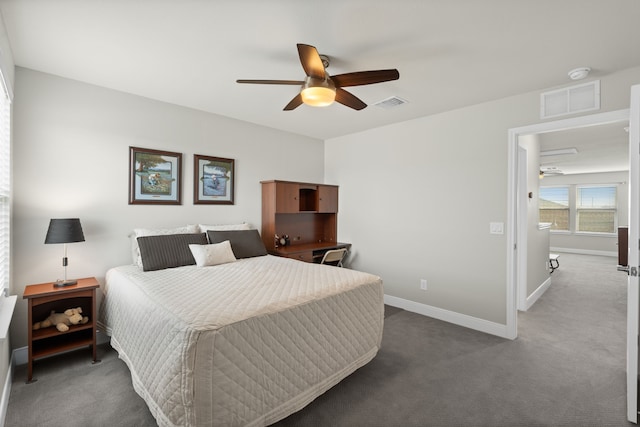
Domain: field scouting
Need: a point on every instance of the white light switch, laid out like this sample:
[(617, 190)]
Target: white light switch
[(496, 227)]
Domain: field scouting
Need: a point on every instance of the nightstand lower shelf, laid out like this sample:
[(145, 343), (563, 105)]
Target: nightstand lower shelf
[(65, 341)]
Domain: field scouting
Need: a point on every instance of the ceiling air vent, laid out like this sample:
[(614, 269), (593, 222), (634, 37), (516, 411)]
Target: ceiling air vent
[(391, 102), (570, 100)]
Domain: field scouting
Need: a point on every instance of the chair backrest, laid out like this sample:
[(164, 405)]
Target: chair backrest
[(334, 255)]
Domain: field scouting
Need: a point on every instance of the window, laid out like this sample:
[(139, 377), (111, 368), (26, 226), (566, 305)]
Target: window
[(554, 207), (580, 208), (596, 209), (5, 190)]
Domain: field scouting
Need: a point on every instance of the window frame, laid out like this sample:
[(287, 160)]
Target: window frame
[(574, 210), (6, 194), (614, 208), (569, 211)]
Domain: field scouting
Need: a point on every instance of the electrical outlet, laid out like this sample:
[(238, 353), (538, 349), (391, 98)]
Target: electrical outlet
[(423, 284)]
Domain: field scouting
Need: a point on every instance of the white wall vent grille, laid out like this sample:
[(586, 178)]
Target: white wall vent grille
[(391, 102), (570, 100)]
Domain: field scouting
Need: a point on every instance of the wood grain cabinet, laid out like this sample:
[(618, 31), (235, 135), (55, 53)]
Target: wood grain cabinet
[(287, 197), (306, 212), (327, 198), (45, 297)]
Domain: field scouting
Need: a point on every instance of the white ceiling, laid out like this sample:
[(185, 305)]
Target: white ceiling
[(450, 53), (603, 148)]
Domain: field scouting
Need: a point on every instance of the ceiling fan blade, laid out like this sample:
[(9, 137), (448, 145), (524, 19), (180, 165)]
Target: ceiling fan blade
[(360, 78), (350, 100), (272, 82), (294, 103), (310, 60)]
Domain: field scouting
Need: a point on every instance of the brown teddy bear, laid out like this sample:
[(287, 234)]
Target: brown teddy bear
[(61, 321)]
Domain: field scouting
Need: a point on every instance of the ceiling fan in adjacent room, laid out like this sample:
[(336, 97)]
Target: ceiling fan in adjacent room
[(319, 89)]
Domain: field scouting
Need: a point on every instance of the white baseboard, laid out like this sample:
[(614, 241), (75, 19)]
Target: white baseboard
[(584, 251), (448, 316), (535, 295), (21, 355)]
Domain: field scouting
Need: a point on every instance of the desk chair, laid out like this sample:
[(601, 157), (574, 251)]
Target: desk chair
[(334, 256), (553, 262)]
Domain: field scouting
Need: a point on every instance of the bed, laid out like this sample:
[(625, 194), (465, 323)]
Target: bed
[(241, 343)]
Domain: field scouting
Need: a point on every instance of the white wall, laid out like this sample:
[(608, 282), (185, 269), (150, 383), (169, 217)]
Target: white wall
[(538, 240), (71, 159), (581, 243), (416, 200)]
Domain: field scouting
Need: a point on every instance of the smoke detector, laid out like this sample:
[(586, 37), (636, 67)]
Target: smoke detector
[(579, 73)]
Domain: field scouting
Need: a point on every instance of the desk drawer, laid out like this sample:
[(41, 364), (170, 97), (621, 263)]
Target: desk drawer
[(306, 256)]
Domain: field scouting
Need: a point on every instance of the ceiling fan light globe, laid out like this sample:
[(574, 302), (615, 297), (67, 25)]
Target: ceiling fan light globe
[(318, 96), (318, 92)]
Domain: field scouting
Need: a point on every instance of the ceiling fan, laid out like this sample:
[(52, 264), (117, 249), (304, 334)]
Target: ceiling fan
[(319, 89)]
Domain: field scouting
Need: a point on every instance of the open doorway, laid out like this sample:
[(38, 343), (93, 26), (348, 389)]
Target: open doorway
[(577, 185), (517, 220)]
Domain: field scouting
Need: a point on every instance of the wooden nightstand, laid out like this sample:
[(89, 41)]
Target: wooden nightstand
[(46, 297)]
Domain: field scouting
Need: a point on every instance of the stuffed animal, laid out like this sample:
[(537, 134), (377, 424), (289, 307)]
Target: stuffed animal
[(61, 321)]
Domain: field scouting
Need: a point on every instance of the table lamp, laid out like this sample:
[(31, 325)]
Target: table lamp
[(64, 231)]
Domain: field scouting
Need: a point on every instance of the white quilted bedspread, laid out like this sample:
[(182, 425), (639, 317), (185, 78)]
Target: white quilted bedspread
[(245, 343)]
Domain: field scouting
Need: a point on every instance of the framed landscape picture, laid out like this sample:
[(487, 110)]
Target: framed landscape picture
[(213, 180), (154, 177)]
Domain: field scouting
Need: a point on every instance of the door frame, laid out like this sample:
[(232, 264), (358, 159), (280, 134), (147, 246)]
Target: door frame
[(633, 298), (515, 287)]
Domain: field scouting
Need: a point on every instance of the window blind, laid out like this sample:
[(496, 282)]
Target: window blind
[(554, 207), (5, 191), (598, 197), (596, 209)]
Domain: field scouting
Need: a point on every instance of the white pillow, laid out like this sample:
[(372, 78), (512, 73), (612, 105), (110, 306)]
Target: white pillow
[(139, 232), (222, 227), (217, 253)]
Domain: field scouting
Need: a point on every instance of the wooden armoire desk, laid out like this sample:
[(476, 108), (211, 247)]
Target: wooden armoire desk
[(307, 213)]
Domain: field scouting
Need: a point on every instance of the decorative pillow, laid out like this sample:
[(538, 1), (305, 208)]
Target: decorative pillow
[(168, 251), (245, 243), (217, 253), (140, 232), (224, 227)]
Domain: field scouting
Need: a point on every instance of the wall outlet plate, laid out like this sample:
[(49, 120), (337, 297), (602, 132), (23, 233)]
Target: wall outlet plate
[(496, 227)]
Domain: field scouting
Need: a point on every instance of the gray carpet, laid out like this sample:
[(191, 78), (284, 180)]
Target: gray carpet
[(567, 368)]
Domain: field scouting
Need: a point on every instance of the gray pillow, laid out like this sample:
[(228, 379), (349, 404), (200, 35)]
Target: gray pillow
[(168, 251), (244, 243)]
